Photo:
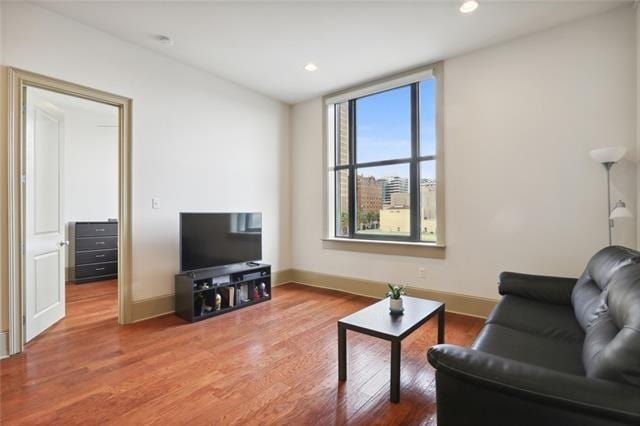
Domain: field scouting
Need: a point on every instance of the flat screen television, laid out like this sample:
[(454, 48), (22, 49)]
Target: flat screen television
[(216, 239)]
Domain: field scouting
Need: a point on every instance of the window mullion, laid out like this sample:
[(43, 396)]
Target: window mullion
[(383, 163), (336, 171), (336, 135), (414, 173), (352, 161)]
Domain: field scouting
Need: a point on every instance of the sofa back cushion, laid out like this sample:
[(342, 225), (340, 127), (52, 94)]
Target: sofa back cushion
[(611, 348), (588, 293)]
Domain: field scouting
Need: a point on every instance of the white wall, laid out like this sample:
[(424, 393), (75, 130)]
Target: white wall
[(200, 143), (90, 167), (522, 193)]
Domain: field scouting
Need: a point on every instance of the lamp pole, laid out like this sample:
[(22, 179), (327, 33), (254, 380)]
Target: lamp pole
[(608, 166), (608, 157)]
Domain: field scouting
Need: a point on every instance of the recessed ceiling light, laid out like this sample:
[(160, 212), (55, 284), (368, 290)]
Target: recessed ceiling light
[(166, 40), (469, 6), (310, 67)]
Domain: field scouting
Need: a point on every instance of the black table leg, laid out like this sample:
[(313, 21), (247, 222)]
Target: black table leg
[(342, 353), (441, 326), (395, 371)]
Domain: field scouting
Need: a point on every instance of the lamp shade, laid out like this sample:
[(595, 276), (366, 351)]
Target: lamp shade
[(620, 211), (611, 154)]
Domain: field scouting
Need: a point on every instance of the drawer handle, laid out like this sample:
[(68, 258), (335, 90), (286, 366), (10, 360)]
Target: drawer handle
[(99, 229), (99, 242), (99, 255), (99, 269)]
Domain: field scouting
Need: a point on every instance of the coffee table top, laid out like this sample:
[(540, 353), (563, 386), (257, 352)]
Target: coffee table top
[(375, 320)]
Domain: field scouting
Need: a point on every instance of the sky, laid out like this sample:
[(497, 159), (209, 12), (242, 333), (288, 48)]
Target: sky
[(383, 126)]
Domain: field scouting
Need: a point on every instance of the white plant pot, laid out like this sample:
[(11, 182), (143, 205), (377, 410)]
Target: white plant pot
[(395, 306)]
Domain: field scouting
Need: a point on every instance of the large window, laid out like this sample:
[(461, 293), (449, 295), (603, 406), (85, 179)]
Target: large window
[(384, 163)]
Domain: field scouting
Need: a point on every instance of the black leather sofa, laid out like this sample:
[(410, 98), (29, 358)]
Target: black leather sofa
[(554, 351)]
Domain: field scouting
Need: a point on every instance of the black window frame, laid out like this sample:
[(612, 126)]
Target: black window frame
[(352, 166)]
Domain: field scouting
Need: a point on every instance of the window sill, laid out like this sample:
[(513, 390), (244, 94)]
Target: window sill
[(396, 248)]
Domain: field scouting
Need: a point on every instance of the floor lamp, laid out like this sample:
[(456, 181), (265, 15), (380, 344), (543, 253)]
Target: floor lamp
[(608, 157)]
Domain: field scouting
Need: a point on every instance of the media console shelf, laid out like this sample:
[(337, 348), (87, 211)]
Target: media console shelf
[(237, 286)]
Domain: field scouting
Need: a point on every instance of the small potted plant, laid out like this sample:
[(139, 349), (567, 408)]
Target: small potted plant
[(395, 299)]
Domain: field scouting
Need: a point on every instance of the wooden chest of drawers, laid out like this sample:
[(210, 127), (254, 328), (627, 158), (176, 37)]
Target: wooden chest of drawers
[(93, 251)]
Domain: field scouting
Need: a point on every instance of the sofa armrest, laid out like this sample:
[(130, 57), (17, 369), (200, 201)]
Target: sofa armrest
[(595, 397), (546, 289)]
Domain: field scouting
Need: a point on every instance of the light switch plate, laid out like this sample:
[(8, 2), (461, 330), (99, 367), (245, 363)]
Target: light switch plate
[(155, 203)]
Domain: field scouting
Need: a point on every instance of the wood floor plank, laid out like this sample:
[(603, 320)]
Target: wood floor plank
[(272, 363)]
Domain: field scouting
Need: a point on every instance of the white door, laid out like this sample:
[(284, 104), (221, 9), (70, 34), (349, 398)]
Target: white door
[(44, 259)]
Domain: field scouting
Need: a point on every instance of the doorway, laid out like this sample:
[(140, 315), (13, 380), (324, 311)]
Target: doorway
[(48, 219), (71, 206)]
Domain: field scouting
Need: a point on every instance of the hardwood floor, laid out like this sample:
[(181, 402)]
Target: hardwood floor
[(272, 363)]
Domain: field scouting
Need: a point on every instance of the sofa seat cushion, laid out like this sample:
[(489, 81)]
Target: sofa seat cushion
[(542, 319), (555, 354)]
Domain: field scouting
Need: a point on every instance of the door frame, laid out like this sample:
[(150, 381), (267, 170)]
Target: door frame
[(18, 81)]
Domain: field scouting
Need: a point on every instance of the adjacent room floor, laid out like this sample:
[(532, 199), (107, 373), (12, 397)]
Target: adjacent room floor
[(275, 363)]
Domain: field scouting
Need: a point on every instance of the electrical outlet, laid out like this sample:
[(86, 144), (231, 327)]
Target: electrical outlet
[(155, 203), (421, 273)]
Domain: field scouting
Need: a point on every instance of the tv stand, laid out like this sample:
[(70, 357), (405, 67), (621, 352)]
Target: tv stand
[(210, 292)]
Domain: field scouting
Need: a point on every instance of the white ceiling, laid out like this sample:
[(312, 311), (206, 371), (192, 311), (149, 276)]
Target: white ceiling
[(264, 45)]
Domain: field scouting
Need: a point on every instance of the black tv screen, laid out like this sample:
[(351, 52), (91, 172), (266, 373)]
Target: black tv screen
[(216, 239)]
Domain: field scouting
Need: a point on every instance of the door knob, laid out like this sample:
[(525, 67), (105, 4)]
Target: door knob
[(63, 243)]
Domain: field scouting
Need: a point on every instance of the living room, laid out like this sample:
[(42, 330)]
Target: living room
[(353, 146)]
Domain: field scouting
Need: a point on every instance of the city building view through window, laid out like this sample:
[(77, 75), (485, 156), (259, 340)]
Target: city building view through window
[(387, 160)]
